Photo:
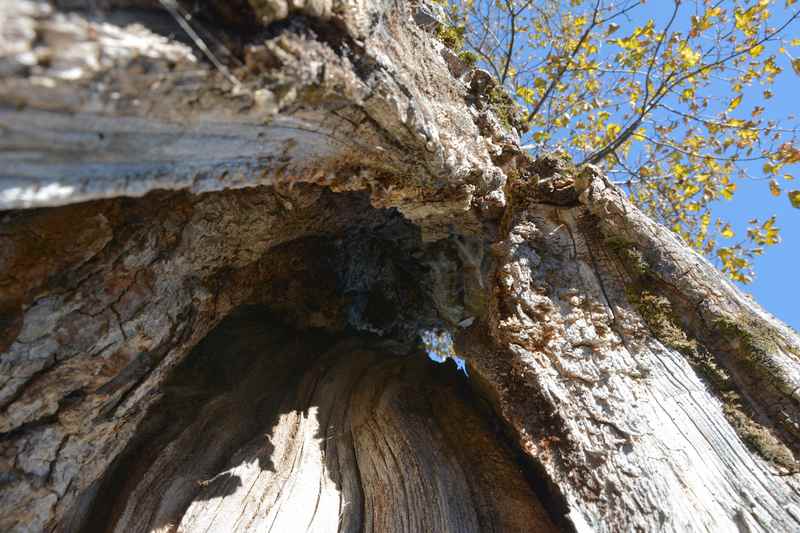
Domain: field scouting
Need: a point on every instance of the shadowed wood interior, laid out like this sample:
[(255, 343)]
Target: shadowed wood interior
[(265, 428)]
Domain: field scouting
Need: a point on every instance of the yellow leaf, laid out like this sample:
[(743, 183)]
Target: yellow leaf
[(796, 65), (734, 103), (728, 191), (756, 50), (705, 220), (744, 20), (690, 189), (727, 232), (788, 177), (527, 94), (771, 68), (774, 188), (794, 197), (690, 56), (788, 153)]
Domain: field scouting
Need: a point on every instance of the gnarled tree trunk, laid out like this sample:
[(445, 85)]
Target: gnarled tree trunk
[(228, 239)]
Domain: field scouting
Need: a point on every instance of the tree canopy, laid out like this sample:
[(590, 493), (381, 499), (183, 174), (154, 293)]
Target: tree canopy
[(670, 98)]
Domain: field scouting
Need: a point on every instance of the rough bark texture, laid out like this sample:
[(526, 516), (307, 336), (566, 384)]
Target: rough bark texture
[(334, 181)]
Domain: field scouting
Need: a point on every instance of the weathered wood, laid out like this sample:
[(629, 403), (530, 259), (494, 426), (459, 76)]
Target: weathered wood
[(638, 439), (342, 168), (353, 436)]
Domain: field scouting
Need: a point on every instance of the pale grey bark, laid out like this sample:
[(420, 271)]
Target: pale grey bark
[(349, 175)]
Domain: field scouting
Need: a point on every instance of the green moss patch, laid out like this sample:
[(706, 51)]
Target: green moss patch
[(630, 256), (468, 58), (758, 438), (749, 338), (451, 36), (752, 345), (656, 311), (503, 106)]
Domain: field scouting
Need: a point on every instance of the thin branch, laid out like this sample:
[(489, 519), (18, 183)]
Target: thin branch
[(612, 146), (712, 122), (689, 153), (670, 83), (513, 30), (557, 78), (175, 10)]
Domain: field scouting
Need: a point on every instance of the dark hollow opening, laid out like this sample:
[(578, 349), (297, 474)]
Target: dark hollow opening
[(312, 428)]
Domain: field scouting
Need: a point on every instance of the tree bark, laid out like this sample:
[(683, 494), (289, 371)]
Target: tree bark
[(224, 254)]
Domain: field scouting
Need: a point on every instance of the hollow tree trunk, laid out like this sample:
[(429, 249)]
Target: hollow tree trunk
[(219, 252)]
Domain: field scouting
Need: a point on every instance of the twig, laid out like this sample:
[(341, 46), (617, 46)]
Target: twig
[(174, 9)]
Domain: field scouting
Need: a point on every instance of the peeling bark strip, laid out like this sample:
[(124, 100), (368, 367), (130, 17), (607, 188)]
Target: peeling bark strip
[(333, 163)]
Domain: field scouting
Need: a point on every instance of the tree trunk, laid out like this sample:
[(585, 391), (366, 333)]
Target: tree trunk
[(224, 254)]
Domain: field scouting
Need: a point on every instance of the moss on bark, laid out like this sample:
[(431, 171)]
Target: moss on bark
[(662, 319)]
